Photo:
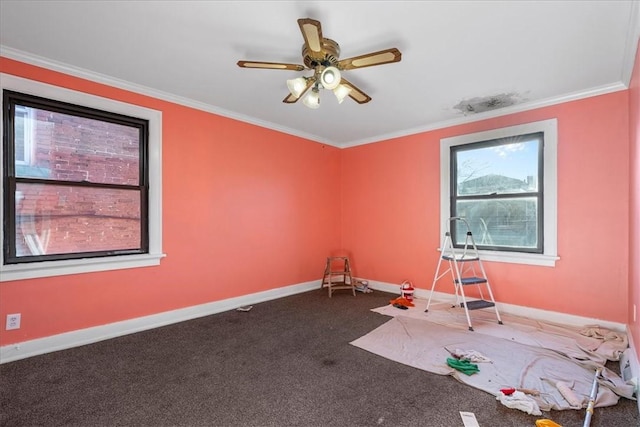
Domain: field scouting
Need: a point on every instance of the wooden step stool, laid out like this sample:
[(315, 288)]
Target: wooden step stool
[(337, 275)]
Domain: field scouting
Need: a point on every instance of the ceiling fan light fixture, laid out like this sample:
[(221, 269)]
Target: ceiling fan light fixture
[(312, 100), (321, 56), (330, 78), (341, 92), (297, 86)]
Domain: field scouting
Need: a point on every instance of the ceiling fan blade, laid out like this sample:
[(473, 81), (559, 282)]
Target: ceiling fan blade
[(356, 94), (386, 56), (312, 33), (291, 99), (270, 65)]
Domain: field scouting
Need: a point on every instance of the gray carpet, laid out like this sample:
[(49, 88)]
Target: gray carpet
[(287, 362)]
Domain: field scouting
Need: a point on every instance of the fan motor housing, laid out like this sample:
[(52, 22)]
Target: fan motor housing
[(329, 55)]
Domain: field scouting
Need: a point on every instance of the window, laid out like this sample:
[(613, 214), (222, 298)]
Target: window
[(503, 182), (81, 182), (496, 187)]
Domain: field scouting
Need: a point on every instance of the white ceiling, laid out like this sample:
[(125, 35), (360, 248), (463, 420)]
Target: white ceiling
[(535, 53)]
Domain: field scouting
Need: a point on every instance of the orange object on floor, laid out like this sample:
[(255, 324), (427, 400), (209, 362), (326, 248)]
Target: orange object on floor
[(546, 423), (402, 301)]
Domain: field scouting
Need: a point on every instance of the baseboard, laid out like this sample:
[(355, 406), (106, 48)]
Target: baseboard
[(516, 310), (17, 351)]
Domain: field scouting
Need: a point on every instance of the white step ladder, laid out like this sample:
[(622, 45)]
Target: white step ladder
[(466, 269)]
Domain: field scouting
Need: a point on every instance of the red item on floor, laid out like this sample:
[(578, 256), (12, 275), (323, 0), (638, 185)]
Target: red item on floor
[(402, 301)]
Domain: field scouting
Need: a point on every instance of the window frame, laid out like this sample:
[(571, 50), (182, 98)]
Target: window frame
[(549, 254), (14, 101), (10, 272)]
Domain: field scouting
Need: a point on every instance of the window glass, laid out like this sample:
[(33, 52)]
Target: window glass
[(506, 223), (502, 167), (55, 219), (72, 148)]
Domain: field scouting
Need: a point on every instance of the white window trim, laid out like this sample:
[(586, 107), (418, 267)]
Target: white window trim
[(57, 268), (550, 217)]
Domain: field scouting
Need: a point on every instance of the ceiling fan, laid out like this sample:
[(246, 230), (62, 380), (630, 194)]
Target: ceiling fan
[(322, 56)]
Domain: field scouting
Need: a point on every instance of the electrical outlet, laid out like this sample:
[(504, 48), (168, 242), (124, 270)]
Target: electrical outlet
[(13, 321)]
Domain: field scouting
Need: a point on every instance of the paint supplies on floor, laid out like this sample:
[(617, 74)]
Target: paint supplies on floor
[(463, 366), (519, 400), (470, 355), (363, 286)]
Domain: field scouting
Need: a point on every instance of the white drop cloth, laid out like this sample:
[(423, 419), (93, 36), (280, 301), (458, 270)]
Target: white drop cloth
[(524, 356), (592, 344)]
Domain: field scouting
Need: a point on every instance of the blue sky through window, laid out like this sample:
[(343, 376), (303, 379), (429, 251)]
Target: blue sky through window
[(518, 160)]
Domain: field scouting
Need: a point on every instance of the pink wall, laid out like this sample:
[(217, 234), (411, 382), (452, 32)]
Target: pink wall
[(242, 213), (634, 223), (391, 216)]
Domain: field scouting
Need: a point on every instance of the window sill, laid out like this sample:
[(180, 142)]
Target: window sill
[(88, 265), (515, 257)]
